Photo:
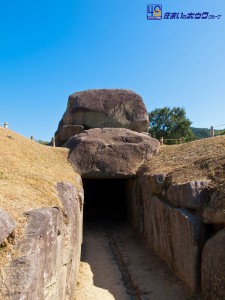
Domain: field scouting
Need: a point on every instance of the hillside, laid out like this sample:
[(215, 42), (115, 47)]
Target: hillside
[(28, 174), (201, 159), (202, 133)]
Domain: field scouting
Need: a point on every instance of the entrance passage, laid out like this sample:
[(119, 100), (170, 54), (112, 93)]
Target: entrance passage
[(115, 264), (104, 199)]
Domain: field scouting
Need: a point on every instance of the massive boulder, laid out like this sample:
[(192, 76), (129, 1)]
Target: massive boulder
[(175, 234), (191, 195), (106, 108), (214, 216), (110, 152), (213, 267), (65, 132), (48, 255)]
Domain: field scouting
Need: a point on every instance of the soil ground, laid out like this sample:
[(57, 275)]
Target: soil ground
[(117, 265)]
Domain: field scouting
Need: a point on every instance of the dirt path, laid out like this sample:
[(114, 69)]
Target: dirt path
[(116, 265)]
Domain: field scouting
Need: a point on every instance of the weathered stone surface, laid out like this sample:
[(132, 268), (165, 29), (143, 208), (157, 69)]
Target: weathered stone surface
[(217, 200), (174, 234), (213, 267), (110, 152), (214, 216), (187, 237), (49, 254), (157, 183), (7, 225), (106, 108), (189, 195), (138, 209), (65, 132)]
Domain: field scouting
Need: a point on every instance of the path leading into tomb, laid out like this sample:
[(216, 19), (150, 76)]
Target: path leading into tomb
[(115, 264)]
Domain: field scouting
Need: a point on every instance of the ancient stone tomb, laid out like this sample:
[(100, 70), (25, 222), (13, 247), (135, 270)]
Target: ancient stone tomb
[(105, 131)]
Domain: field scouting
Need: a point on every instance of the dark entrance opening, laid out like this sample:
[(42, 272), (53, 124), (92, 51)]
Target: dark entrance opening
[(104, 199)]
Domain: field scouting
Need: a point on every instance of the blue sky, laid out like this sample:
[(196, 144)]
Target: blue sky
[(51, 49)]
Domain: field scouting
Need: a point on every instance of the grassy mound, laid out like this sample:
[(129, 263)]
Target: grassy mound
[(201, 159), (28, 174)]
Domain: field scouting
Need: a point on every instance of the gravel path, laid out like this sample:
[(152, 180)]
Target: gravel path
[(115, 264)]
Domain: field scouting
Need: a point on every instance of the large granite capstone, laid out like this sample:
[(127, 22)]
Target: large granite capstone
[(110, 152), (105, 108)]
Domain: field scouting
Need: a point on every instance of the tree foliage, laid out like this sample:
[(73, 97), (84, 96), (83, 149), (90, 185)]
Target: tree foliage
[(170, 123)]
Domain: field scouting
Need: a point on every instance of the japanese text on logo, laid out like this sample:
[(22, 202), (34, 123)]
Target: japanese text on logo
[(154, 12)]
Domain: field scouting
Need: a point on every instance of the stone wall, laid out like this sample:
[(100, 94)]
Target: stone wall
[(49, 254), (170, 218)]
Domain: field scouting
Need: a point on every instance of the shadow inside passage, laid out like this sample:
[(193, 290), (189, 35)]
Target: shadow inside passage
[(104, 200), (104, 208)]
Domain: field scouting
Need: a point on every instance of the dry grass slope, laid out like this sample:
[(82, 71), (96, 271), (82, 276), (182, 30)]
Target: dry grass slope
[(202, 159), (28, 174)]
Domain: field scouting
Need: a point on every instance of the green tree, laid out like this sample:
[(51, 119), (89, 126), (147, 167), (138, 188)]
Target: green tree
[(170, 124)]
